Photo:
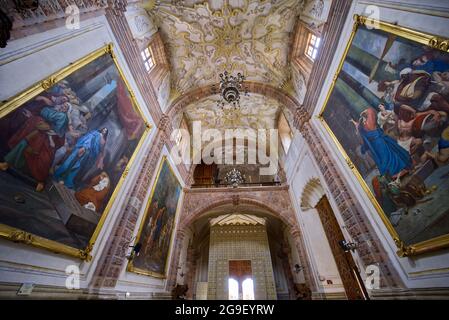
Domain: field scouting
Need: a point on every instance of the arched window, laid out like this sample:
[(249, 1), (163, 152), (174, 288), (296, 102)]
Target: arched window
[(233, 289), (148, 59), (312, 46), (248, 289)]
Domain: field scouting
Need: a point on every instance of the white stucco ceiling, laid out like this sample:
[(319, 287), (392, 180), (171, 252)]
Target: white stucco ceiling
[(256, 112), (205, 38)]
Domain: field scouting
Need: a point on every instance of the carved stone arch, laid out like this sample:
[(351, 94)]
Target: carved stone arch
[(267, 90), (235, 199), (273, 201), (312, 194)]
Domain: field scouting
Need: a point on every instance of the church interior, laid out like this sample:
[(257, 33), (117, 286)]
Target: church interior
[(224, 149)]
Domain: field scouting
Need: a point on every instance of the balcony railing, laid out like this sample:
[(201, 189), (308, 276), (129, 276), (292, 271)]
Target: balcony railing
[(245, 184)]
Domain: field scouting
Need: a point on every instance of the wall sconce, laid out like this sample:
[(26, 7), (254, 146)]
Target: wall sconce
[(135, 251), (298, 268), (348, 246)]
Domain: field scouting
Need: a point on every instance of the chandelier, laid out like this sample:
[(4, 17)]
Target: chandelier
[(234, 177), (230, 89)]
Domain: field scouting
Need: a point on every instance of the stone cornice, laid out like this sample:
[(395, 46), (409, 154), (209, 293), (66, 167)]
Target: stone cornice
[(253, 87), (236, 190)]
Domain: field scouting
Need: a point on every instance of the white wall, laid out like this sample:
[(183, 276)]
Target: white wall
[(300, 169), (425, 271), (29, 60)]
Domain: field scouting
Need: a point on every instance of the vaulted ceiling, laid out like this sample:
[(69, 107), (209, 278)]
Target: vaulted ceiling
[(205, 38), (256, 112)]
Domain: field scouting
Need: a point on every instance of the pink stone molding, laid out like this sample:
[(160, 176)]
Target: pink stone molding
[(275, 200), (198, 202)]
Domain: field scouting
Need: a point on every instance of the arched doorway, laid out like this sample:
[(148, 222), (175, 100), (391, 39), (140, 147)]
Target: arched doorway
[(314, 198), (234, 270), (349, 273)]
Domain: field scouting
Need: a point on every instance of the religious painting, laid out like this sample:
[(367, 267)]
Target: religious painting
[(156, 230), (388, 113), (65, 144)]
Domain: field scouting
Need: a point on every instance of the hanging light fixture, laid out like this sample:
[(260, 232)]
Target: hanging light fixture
[(230, 89), (234, 177)]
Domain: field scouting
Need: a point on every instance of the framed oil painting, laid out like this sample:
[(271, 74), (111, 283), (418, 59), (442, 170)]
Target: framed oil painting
[(156, 230), (66, 145), (387, 112)]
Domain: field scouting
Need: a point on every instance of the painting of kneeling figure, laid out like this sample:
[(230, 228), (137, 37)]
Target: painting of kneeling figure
[(63, 153), (158, 226), (388, 113)]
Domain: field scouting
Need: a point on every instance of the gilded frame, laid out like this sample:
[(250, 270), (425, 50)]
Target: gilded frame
[(131, 267), (20, 236), (432, 41)]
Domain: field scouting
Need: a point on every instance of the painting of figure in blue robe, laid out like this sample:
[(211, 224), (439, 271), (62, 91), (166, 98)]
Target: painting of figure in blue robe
[(389, 111), (88, 152), (63, 153)]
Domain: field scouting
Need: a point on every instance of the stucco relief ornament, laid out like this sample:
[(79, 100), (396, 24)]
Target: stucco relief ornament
[(48, 83), (222, 35), (141, 24), (21, 236), (317, 9), (300, 82), (235, 199)]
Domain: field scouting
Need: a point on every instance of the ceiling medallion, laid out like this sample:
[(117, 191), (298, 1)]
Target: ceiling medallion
[(230, 89)]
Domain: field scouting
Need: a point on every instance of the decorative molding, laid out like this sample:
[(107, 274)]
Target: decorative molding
[(117, 7), (329, 41), (311, 194), (256, 112), (237, 219), (180, 103), (300, 117), (48, 15), (426, 8), (113, 257), (206, 39), (9, 291), (131, 52), (30, 49), (407, 294), (275, 200)]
